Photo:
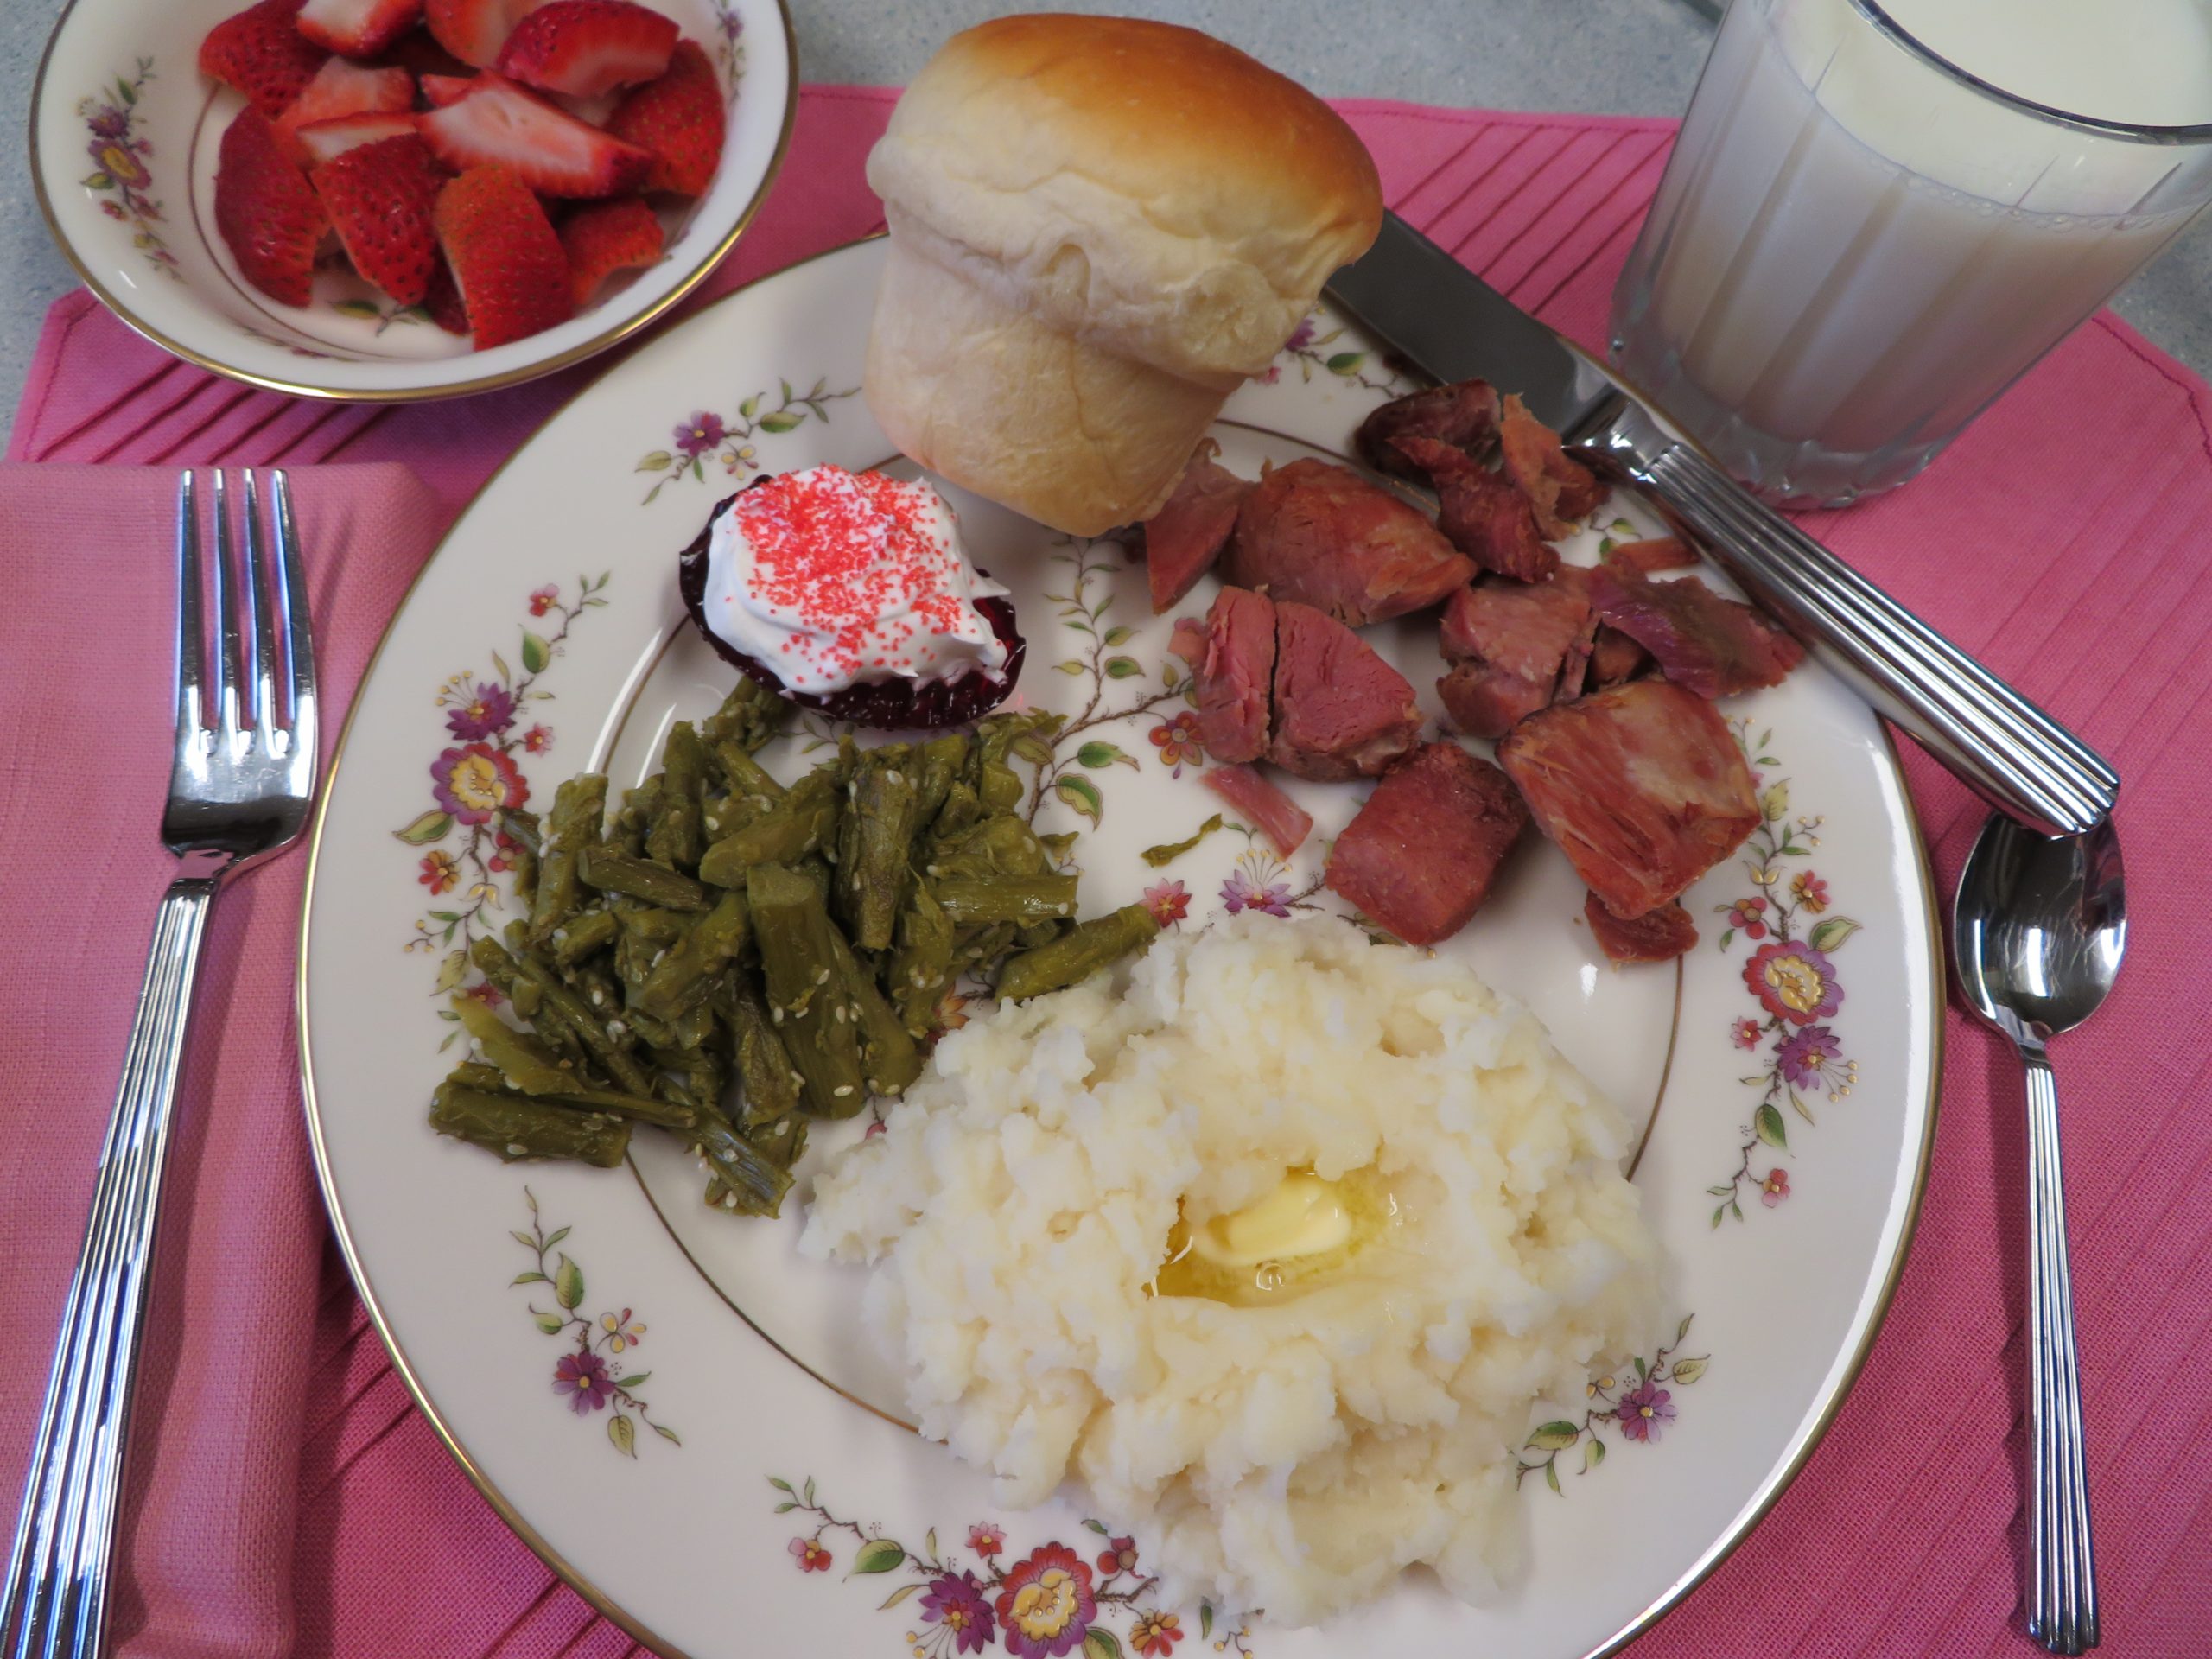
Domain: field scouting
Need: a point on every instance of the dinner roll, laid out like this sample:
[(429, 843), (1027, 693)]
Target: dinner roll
[(1100, 226)]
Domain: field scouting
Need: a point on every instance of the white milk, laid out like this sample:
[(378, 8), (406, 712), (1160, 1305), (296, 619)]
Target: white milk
[(1851, 253)]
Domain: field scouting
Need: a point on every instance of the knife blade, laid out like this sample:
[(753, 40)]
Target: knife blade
[(1453, 325)]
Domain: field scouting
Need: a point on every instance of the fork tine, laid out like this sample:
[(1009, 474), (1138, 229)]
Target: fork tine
[(299, 636), (229, 647), (190, 713), (262, 612)]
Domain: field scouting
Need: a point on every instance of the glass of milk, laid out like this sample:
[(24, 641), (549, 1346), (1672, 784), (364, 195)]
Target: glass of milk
[(1879, 215)]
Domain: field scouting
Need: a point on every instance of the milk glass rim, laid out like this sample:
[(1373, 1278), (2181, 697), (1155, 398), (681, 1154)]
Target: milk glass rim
[(2128, 132)]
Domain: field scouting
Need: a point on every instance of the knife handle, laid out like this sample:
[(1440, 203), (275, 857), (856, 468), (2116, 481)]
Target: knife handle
[(2001, 746)]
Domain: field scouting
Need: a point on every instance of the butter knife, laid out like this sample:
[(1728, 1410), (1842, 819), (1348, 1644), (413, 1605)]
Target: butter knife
[(1455, 326)]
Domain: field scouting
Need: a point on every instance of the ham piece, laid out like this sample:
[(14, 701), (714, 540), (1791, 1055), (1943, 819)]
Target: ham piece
[(1420, 857), (1481, 513), (1641, 787), (1293, 684), (1233, 658), (1649, 558), (1318, 534), (1658, 935), (1614, 657), (1273, 813), (1184, 538), (1506, 641), (1341, 711), (1714, 646), (1560, 488), (1464, 416)]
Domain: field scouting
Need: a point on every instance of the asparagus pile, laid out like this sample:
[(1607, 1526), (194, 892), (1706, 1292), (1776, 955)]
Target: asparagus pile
[(796, 941)]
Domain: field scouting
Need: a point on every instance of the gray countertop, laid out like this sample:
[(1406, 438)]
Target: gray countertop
[(1635, 57)]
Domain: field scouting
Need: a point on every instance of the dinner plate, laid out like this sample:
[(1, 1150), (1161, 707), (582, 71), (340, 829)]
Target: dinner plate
[(689, 1422)]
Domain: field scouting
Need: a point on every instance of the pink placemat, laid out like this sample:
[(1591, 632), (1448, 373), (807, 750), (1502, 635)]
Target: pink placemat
[(2061, 540)]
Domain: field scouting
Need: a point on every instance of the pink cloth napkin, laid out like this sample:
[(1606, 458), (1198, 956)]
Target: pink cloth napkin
[(294, 1496)]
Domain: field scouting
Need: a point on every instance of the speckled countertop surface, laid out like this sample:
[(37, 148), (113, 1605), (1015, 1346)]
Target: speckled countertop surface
[(1635, 57)]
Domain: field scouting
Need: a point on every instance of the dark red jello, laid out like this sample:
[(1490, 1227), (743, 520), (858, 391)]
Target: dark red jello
[(897, 704)]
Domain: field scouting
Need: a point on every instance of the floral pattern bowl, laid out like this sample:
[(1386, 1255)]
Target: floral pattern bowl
[(751, 1485), (124, 132)]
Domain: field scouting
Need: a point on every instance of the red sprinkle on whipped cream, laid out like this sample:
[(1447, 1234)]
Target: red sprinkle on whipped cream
[(834, 578)]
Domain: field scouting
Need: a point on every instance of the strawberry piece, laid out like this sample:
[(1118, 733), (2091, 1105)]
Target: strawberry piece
[(269, 216), (584, 48), (602, 238), (360, 28), (260, 52), (506, 261), (380, 198), (680, 118), (501, 125), (443, 300), (474, 30), (325, 141), (438, 91), (340, 88)]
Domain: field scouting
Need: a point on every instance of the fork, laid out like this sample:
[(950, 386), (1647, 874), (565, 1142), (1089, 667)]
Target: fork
[(240, 788)]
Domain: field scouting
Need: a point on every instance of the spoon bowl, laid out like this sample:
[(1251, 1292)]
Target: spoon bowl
[(2039, 926)]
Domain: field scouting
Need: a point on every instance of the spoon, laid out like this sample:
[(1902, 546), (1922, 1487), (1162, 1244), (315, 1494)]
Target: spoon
[(2037, 931)]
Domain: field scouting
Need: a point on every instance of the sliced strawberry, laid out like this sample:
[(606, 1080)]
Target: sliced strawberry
[(443, 301), (324, 140), (438, 91), (474, 30), (269, 216), (506, 261), (601, 238), (499, 125), (584, 48), (380, 198), (342, 88), (360, 28), (260, 52), (680, 118)]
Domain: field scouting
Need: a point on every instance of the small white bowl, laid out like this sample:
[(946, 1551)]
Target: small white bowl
[(124, 130)]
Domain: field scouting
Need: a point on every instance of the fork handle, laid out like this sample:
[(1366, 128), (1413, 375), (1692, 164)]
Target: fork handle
[(2063, 1574), (57, 1585)]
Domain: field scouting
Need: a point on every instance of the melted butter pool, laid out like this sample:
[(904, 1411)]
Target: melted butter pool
[(1305, 1233)]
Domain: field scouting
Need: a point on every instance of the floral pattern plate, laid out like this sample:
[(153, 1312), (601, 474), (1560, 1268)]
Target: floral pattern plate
[(753, 1488), (124, 132)]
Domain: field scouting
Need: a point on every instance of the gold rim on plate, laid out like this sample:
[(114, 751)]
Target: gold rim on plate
[(596, 344), (1718, 1551)]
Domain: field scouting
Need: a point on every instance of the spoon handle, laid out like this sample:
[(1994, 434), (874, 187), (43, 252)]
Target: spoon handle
[(2063, 1592)]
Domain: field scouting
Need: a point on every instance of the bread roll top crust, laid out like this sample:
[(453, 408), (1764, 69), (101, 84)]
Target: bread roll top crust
[(1139, 185)]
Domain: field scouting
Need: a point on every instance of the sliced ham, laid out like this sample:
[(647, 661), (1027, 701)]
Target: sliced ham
[(1481, 513), (1324, 536), (1341, 711), (1464, 416), (1714, 646), (1641, 786), (1507, 641), (1233, 657), (1488, 702), (1658, 935), (1614, 657), (1184, 538), (1560, 488), (1649, 558), (1270, 812), (1420, 857)]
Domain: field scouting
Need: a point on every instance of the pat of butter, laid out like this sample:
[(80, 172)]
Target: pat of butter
[(1304, 1215)]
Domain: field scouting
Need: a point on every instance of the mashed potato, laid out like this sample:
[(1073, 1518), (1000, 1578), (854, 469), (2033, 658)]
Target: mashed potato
[(1291, 1454)]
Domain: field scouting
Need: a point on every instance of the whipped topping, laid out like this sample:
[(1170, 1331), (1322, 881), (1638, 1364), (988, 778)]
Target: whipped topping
[(836, 579)]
